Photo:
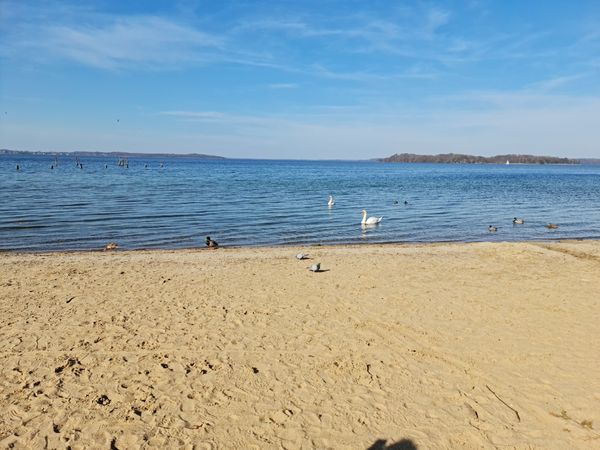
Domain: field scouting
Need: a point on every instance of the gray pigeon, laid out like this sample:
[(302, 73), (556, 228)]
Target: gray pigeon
[(315, 267), (302, 256)]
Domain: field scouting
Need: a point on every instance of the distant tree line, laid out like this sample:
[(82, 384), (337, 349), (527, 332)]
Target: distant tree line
[(5, 151), (457, 158)]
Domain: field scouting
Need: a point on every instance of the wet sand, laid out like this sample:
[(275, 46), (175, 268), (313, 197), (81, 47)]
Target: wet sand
[(434, 346)]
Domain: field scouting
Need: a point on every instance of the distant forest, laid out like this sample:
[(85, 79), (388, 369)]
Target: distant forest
[(458, 158), (5, 151)]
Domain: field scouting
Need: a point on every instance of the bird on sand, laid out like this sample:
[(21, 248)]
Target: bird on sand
[(210, 243), (315, 267), (111, 246), (301, 256)]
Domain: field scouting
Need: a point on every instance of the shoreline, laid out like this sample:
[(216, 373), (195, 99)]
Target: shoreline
[(290, 246), (446, 345)]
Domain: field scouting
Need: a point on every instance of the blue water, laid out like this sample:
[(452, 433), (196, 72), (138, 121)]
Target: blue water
[(253, 202)]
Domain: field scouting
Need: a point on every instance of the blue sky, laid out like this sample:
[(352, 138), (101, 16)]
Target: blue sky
[(301, 79)]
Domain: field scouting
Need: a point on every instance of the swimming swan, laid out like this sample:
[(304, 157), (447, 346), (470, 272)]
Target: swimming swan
[(371, 220), (330, 203)]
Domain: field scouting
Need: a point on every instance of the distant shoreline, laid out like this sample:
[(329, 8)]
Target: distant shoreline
[(457, 158), (404, 158), (110, 154)]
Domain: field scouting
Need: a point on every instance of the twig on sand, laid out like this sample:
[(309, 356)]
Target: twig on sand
[(506, 404)]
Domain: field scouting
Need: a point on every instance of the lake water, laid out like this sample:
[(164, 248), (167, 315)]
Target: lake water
[(255, 202)]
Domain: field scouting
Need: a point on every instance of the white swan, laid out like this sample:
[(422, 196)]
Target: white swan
[(371, 220), (330, 203)]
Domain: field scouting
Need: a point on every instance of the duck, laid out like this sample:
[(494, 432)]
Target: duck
[(331, 202), (111, 246), (492, 229), (210, 243), (371, 220), (517, 221), (552, 226)]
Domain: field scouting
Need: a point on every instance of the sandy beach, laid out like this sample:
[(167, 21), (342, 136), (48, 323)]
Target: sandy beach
[(422, 346)]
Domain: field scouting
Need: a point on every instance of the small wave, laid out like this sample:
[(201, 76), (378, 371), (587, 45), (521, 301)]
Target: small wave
[(21, 227)]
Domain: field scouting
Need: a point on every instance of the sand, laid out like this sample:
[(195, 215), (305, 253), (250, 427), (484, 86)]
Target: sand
[(431, 346)]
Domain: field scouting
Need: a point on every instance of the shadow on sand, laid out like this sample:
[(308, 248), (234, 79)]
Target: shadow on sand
[(403, 444)]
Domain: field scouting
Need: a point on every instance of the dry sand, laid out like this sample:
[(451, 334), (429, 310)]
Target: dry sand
[(435, 346)]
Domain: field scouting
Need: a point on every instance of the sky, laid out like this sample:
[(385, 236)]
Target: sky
[(311, 79)]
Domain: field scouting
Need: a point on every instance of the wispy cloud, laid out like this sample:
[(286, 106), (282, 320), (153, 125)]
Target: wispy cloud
[(282, 86), (234, 121), (556, 82), (417, 36), (294, 28), (436, 18), (414, 72), (421, 23), (194, 115), (118, 42)]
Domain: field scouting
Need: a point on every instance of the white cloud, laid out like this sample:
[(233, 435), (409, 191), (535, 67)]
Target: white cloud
[(148, 41)]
